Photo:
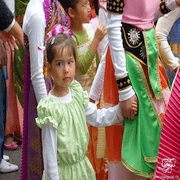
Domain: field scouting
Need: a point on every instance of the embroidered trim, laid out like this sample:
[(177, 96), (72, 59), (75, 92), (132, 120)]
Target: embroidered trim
[(123, 83), (115, 6), (163, 8), (140, 173), (133, 42)]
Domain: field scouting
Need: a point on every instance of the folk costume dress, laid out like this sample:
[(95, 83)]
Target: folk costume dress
[(39, 19), (140, 72), (168, 164), (6, 22), (14, 111), (65, 158)]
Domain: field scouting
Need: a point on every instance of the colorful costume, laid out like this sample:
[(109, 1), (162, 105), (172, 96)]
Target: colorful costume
[(139, 72), (6, 23), (66, 129), (14, 110), (168, 164), (40, 17)]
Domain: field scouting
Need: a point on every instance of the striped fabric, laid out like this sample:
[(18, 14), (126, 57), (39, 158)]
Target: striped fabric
[(168, 165)]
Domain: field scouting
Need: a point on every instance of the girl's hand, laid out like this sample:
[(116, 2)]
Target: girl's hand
[(100, 32)]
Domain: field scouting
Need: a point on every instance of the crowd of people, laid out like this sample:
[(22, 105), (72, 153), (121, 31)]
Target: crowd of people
[(93, 88)]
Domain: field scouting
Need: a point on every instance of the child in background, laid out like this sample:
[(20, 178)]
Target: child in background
[(63, 115), (86, 39)]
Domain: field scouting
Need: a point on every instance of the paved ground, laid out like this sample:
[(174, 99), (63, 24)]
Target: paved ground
[(15, 158)]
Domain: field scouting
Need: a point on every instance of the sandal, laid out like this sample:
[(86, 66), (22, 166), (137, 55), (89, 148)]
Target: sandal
[(11, 147)]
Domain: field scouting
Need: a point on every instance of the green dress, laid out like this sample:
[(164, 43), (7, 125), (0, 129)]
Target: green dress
[(72, 141)]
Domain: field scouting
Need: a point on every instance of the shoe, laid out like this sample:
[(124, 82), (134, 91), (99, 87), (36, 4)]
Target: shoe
[(11, 147), (6, 167), (6, 158)]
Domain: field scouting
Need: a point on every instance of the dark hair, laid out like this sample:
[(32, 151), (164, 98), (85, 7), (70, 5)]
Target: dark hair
[(61, 41), (96, 6), (66, 4)]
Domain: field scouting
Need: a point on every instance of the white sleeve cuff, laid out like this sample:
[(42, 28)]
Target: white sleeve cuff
[(126, 94)]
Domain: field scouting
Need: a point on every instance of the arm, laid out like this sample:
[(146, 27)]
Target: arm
[(103, 117), (9, 25), (163, 27), (127, 96), (85, 60), (18, 33), (35, 30), (49, 143), (97, 86)]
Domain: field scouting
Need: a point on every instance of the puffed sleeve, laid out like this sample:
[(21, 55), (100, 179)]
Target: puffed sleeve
[(46, 114)]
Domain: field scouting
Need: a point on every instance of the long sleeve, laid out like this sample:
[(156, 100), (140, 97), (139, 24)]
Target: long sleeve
[(103, 117), (6, 17), (49, 142), (163, 27), (117, 52), (85, 60), (97, 86), (34, 28)]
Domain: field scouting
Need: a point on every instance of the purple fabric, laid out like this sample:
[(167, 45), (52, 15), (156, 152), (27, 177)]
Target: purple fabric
[(32, 161)]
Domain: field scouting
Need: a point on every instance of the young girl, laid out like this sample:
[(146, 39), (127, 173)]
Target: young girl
[(64, 113)]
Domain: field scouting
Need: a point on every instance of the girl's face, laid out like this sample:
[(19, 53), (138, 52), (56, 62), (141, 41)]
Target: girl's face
[(62, 68), (83, 11)]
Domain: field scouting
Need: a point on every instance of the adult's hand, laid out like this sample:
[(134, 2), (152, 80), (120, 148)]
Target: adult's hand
[(18, 33), (9, 40), (127, 107)]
